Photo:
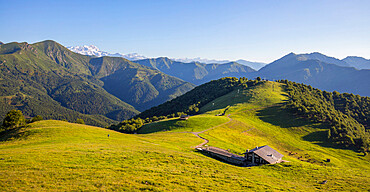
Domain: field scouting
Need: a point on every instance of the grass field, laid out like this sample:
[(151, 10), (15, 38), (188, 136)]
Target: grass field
[(60, 156)]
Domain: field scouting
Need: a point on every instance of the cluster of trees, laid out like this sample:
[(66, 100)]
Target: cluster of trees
[(192, 101), (346, 114), (187, 104), (14, 119), (134, 124)]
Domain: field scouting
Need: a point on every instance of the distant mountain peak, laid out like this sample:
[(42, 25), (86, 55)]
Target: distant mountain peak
[(93, 50), (1, 43), (323, 58), (357, 62)]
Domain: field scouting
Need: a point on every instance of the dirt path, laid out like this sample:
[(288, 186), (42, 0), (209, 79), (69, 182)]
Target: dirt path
[(206, 140)]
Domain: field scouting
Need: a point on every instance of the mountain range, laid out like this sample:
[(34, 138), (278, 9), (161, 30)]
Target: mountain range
[(92, 50), (254, 65), (315, 70), (47, 79), (197, 73), (95, 51), (350, 61)]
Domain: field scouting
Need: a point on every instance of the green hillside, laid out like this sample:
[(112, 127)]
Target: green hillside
[(47, 79), (55, 155)]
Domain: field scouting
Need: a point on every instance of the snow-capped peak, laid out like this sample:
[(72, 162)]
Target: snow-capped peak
[(95, 51)]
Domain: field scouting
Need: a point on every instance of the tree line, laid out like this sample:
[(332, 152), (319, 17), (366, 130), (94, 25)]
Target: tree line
[(15, 119), (187, 104), (347, 115)]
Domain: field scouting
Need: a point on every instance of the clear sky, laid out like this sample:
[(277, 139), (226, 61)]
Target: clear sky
[(259, 30)]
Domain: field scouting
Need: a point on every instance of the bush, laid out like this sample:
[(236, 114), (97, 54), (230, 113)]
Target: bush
[(14, 119), (80, 121), (37, 118)]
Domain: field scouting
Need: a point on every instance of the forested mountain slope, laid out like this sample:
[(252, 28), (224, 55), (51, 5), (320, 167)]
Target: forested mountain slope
[(197, 73), (47, 79)]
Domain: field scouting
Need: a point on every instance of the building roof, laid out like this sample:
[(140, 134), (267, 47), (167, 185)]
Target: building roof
[(223, 153), (267, 153), (184, 117)]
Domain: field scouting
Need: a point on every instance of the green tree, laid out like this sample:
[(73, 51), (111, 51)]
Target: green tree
[(258, 78), (14, 119), (37, 118), (80, 121)]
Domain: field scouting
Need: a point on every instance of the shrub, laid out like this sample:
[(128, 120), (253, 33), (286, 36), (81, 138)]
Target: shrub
[(14, 119), (37, 118), (80, 121)]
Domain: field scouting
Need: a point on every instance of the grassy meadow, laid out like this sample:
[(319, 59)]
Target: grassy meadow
[(61, 156)]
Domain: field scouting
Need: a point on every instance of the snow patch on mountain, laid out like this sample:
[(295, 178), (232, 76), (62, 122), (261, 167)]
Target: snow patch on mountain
[(92, 50)]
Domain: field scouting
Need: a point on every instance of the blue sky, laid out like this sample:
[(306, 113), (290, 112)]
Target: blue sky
[(252, 30)]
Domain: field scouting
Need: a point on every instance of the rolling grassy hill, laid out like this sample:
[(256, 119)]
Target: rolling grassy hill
[(55, 155)]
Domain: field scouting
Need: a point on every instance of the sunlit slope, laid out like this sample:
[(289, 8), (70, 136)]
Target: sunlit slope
[(193, 124), (60, 156), (262, 120), (257, 118), (56, 155)]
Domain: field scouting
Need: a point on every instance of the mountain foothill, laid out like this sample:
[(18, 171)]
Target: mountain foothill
[(48, 79)]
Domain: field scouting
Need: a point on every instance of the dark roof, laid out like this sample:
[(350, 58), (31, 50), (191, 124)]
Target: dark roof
[(267, 153), (223, 153)]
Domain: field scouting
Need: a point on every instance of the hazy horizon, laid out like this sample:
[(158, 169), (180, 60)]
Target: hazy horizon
[(232, 30)]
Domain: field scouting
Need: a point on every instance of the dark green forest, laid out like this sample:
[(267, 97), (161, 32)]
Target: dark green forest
[(347, 115)]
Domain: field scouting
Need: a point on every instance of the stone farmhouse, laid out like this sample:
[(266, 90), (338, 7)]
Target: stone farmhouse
[(257, 156)]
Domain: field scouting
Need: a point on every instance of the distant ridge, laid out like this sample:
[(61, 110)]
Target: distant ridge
[(313, 69), (323, 58), (92, 50), (358, 62), (197, 73)]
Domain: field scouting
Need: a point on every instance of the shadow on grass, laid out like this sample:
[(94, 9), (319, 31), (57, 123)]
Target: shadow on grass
[(11, 134), (279, 116), (158, 126), (219, 159), (321, 138)]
